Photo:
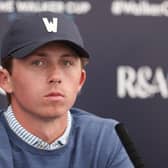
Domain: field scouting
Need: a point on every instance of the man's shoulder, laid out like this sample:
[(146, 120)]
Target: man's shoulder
[(1, 112), (91, 120)]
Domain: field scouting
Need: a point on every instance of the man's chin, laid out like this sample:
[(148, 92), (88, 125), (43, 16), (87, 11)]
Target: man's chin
[(53, 114)]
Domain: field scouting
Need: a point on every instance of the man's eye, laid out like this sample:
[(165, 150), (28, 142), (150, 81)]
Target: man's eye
[(68, 63), (38, 63)]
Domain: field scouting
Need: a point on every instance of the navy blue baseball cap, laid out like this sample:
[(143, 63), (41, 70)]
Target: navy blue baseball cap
[(29, 32)]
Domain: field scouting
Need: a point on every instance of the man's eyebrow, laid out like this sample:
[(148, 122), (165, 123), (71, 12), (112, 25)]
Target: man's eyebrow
[(40, 54), (63, 55), (73, 55)]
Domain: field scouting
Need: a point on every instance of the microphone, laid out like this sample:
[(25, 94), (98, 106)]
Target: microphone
[(129, 146)]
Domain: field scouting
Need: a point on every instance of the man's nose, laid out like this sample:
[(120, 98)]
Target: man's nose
[(55, 76)]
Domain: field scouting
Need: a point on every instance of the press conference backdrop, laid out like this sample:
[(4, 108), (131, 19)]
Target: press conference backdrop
[(127, 74)]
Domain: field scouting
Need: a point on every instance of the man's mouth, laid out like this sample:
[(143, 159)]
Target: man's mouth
[(54, 96)]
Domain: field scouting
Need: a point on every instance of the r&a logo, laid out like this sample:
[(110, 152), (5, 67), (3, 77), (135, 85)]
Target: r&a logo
[(141, 83)]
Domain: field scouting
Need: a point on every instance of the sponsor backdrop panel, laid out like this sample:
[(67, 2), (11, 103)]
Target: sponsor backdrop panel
[(127, 75)]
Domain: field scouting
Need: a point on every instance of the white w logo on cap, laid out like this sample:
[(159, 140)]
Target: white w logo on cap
[(51, 26)]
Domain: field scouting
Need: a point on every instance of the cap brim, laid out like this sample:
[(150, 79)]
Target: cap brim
[(29, 48)]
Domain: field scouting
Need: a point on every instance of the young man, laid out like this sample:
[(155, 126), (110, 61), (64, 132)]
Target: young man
[(43, 61)]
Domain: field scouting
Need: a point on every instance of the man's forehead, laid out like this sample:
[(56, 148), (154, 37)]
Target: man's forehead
[(62, 47)]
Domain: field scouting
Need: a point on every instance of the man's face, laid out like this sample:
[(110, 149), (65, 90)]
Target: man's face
[(46, 83)]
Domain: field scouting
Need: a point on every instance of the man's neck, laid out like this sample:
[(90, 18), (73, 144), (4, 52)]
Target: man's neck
[(46, 129)]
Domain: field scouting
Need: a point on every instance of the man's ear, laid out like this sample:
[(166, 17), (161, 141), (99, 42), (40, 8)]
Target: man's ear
[(5, 80), (82, 79)]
